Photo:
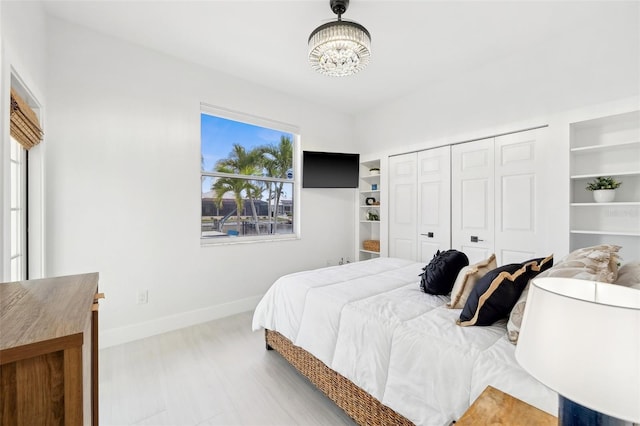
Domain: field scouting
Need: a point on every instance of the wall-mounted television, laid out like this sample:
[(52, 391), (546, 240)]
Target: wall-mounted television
[(330, 170)]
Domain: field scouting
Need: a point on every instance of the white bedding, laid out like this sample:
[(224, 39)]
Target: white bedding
[(370, 322)]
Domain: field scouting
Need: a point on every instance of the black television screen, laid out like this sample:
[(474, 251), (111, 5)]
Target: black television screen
[(330, 170)]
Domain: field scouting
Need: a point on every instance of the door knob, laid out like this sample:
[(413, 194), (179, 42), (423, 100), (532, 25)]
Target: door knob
[(428, 235), (475, 239)]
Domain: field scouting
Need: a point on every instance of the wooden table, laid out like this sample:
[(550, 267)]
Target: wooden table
[(48, 351), (496, 408)]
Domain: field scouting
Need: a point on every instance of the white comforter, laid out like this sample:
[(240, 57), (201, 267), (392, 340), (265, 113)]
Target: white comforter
[(370, 322)]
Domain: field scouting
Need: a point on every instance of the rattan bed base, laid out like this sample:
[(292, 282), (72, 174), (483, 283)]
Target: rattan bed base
[(358, 404)]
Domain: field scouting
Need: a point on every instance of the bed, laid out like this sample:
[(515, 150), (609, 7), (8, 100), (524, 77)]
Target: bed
[(384, 351)]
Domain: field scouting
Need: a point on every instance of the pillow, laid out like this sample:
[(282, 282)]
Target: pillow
[(497, 292), (629, 275), (611, 248), (440, 274), (540, 264), (494, 294), (517, 313), (467, 279), (600, 261)]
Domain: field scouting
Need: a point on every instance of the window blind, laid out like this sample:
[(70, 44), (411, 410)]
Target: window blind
[(25, 126)]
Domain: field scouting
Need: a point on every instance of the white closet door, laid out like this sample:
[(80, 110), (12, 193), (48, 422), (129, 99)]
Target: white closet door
[(434, 202), (517, 212), (402, 206), (472, 199)]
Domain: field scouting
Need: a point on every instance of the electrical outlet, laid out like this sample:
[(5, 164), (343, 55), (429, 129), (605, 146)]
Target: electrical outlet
[(143, 297)]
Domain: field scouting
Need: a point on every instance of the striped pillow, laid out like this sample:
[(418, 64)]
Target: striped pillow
[(497, 292)]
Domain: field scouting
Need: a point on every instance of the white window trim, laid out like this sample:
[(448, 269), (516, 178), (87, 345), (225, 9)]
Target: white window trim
[(11, 77), (297, 176)]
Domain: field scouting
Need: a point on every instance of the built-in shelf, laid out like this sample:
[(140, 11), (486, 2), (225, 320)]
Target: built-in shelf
[(606, 146), (613, 204), (609, 173), (586, 231), (368, 229), (369, 251)]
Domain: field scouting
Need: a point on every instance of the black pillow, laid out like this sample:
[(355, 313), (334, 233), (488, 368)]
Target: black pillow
[(495, 294), (540, 264), (441, 273)]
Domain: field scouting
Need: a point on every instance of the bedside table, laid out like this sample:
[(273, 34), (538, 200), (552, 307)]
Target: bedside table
[(496, 408)]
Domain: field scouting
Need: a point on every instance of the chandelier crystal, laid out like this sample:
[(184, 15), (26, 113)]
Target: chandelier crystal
[(339, 48)]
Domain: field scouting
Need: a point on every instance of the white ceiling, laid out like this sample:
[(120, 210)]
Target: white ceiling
[(414, 43)]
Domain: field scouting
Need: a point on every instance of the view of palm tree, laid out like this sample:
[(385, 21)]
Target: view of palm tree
[(234, 203), (277, 161)]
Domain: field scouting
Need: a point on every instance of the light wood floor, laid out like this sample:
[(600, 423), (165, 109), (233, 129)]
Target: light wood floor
[(217, 373)]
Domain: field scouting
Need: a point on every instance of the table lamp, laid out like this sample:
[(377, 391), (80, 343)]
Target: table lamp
[(582, 339)]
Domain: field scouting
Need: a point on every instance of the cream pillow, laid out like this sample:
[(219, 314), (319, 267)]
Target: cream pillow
[(629, 275), (597, 263), (600, 262), (467, 278), (517, 313)]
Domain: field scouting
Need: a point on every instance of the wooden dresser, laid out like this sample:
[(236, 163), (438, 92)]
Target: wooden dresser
[(49, 351)]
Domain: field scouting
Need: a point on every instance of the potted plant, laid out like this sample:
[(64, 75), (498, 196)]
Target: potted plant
[(372, 215), (604, 189)]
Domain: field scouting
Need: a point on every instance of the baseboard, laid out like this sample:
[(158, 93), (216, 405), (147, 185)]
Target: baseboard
[(129, 333)]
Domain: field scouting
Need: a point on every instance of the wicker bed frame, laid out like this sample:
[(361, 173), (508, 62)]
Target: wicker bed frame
[(358, 404)]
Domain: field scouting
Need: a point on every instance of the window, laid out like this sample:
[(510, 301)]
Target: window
[(248, 183), (18, 212), (25, 133)]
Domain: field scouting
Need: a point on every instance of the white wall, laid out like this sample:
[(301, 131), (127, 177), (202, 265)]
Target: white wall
[(589, 71), (23, 36), (123, 184), (594, 62)]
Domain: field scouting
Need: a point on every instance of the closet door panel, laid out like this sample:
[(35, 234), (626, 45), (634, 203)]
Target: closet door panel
[(427, 249), (430, 214), (472, 198), (517, 170), (434, 201), (475, 199), (475, 252), (404, 249), (402, 206), (517, 207), (515, 256)]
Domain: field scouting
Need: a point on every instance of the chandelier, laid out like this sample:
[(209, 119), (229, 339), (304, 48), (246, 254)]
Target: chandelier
[(339, 48)]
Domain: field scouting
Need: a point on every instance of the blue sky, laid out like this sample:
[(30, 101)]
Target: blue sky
[(219, 134)]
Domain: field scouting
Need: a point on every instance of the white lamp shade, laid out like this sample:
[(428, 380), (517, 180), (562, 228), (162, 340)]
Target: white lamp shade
[(582, 339)]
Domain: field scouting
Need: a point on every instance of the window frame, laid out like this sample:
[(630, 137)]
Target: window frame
[(295, 181), (18, 193), (35, 178)]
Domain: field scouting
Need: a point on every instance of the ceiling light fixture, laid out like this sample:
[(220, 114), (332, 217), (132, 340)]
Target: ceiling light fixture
[(339, 48)]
